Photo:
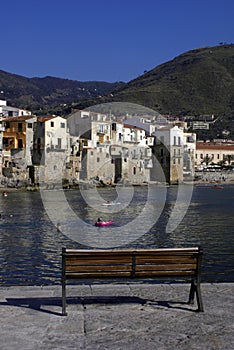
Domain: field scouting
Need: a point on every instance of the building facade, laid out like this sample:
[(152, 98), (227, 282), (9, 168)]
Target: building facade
[(168, 155), (212, 152), (51, 149), (17, 144)]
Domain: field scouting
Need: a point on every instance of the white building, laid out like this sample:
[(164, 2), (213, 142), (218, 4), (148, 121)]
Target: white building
[(189, 140), (51, 149), (111, 151), (8, 111), (148, 123), (168, 151)]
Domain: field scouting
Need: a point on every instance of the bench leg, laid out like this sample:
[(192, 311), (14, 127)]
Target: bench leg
[(199, 298), (64, 313), (192, 292), (195, 288)]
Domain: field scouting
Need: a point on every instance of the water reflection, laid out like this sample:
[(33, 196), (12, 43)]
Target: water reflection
[(30, 245)]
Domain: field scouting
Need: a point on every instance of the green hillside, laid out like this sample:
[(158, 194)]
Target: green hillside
[(197, 82)]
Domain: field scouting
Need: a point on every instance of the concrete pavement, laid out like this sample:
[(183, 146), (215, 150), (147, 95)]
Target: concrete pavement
[(116, 316)]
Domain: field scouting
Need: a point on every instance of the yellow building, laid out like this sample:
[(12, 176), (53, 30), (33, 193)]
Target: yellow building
[(15, 132)]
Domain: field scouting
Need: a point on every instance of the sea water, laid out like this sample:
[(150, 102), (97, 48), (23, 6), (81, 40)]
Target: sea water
[(30, 244)]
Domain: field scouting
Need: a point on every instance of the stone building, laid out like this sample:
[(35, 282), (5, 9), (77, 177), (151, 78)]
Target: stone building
[(110, 151), (6, 112), (17, 144), (189, 141), (168, 155), (51, 148)]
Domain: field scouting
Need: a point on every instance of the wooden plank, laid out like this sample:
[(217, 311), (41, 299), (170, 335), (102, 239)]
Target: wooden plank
[(99, 268), (163, 254), (95, 261), (115, 252), (166, 267), (91, 275), (98, 253), (164, 273), (158, 260)]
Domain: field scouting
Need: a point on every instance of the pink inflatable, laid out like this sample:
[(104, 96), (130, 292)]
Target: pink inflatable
[(103, 223)]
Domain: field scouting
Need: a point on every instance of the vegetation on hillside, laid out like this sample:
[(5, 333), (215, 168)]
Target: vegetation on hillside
[(198, 82), (49, 93)]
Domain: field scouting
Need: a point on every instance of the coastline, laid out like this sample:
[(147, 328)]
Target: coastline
[(201, 178)]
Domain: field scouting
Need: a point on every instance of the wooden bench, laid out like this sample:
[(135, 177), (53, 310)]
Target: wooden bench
[(132, 264)]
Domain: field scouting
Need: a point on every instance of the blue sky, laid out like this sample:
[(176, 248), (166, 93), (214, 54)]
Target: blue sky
[(106, 40)]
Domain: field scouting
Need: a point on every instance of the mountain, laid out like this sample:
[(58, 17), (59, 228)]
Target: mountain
[(200, 81), (197, 82), (49, 92)]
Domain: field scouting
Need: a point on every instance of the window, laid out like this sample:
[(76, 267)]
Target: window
[(52, 124), (201, 156), (101, 128), (174, 140), (20, 143), (30, 125), (20, 127), (59, 143), (62, 125), (134, 170)]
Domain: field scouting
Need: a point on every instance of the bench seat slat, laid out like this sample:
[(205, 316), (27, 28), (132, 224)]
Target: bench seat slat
[(165, 260), (95, 268), (91, 261), (96, 274), (129, 251), (164, 273), (165, 267)]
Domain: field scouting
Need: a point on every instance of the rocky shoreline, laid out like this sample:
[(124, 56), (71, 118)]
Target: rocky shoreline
[(201, 178)]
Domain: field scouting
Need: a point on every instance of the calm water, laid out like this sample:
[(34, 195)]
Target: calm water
[(30, 246)]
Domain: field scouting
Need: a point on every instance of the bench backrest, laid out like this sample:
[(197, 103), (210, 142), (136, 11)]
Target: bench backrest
[(130, 263)]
